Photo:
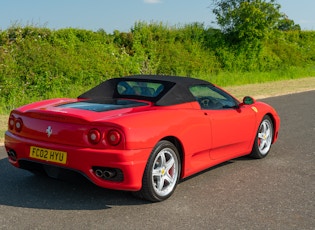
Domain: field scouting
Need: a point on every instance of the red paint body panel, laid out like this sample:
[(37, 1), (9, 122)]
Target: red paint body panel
[(204, 137), (131, 162)]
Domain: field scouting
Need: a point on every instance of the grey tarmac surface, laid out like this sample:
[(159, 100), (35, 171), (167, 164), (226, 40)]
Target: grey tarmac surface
[(277, 192)]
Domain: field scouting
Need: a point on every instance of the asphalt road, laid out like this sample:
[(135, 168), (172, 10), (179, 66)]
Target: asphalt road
[(277, 192)]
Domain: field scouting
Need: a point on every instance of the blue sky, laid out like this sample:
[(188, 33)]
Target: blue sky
[(121, 15)]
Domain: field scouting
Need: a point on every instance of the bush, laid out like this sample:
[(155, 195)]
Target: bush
[(39, 63)]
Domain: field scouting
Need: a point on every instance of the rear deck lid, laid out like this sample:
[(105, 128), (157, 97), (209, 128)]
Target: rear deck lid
[(69, 121)]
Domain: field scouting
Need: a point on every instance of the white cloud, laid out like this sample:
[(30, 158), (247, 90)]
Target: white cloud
[(152, 1)]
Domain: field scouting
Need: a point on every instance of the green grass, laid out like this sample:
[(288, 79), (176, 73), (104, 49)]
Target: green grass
[(224, 79)]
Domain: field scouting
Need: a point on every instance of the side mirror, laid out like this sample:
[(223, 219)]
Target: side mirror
[(248, 100)]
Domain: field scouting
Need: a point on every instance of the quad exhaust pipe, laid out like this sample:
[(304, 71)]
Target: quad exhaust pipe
[(105, 173)]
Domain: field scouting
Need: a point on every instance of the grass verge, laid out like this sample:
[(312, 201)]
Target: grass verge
[(3, 127)]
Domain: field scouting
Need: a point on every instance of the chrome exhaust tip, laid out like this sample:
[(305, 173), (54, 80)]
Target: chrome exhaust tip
[(109, 174), (12, 155), (99, 173)]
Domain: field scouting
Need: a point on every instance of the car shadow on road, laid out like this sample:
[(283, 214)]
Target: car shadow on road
[(20, 188), (243, 158)]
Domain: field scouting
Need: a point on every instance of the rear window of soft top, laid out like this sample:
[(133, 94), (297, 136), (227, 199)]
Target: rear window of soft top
[(139, 88)]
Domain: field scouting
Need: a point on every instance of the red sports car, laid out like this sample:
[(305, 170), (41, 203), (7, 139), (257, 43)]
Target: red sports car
[(140, 133)]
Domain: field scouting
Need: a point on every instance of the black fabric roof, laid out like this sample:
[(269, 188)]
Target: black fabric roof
[(176, 89)]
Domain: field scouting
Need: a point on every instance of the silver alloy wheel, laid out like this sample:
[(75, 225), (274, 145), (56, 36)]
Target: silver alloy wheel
[(165, 172), (265, 134)]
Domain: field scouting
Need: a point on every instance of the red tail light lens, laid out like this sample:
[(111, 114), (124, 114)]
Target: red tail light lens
[(113, 137), (11, 123), (94, 136), (18, 125)]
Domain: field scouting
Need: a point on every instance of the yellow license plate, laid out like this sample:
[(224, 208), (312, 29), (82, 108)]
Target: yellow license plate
[(48, 155)]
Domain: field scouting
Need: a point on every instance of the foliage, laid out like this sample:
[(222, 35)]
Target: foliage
[(286, 24), (38, 63), (248, 23), (246, 20)]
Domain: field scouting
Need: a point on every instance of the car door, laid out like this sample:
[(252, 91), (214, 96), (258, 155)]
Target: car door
[(232, 126), (232, 130)]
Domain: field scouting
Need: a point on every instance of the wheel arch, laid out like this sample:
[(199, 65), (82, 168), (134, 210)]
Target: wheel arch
[(275, 125), (179, 146)]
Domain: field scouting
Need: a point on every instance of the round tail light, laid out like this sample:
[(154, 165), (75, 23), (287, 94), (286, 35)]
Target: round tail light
[(18, 125), (94, 136), (11, 123), (113, 137)]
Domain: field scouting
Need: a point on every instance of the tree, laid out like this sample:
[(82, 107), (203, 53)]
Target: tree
[(246, 20), (286, 24)]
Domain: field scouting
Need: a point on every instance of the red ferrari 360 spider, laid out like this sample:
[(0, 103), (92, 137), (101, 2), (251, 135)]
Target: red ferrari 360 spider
[(140, 133)]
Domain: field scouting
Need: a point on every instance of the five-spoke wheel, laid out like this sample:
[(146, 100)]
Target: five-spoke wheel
[(162, 172), (263, 139)]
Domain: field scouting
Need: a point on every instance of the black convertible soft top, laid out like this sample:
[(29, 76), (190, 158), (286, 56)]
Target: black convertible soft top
[(176, 89)]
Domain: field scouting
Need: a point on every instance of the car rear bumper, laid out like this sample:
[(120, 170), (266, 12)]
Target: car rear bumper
[(101, 166)]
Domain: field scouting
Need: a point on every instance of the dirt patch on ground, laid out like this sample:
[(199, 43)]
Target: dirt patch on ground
[(3, 127), (258, 91), (271, 89)]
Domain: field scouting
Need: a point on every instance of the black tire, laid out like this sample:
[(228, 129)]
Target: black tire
[(264, 138), (161, 174)]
